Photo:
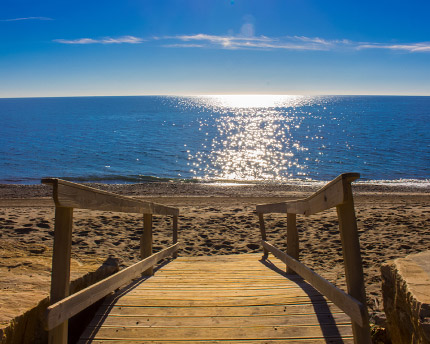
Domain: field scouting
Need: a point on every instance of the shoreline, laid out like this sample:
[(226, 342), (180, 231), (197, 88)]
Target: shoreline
[(212, 189)]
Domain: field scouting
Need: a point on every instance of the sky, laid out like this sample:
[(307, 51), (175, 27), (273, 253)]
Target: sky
[(179, 47)]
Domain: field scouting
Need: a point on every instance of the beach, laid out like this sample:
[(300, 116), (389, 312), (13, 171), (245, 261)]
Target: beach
[(215, 219)]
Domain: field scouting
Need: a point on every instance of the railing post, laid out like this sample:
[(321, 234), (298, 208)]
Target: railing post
[(60, 277), (263, 233), (175, 233), (353, 263), (146, 241), (292, 240)]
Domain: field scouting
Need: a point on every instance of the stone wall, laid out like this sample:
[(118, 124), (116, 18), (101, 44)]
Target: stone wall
[(406, 295)]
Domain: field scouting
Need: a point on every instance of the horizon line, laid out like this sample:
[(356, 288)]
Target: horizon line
[(224, 94)]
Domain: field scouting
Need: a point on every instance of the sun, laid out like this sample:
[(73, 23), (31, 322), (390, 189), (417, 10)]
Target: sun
[(254, 100)]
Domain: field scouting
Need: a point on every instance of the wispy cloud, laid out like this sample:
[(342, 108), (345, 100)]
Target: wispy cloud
[(255, 42), (246, 40), (410, 47), (105, 40), (26, 18)]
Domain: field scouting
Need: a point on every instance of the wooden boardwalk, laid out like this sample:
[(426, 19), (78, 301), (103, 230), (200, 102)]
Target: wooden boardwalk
[(220, 299)]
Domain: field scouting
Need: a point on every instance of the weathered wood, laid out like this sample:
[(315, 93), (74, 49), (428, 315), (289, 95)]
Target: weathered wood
[(235, 314), (68, 307), (327, 197), (221, 321), (73, 195), (263, 232), (60, 277), (292, 240), (344, 340), (146, 241), (216, 333), (353, 263), (229, 293), (306, 309), (218, 302), (175, 233), (355, 309)]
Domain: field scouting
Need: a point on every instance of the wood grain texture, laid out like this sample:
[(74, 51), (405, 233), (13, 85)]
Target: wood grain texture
[(327, 197), (146, 241), (60, 277), (293, 249), (347, 303), (353, 263), (245, 309), (73, 195), (66, 308)]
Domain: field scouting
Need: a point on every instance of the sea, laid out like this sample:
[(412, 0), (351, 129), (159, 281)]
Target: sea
[(216, 139)]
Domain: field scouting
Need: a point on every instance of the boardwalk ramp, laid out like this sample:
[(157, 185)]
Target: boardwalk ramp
[(214, 299), (220, 299)]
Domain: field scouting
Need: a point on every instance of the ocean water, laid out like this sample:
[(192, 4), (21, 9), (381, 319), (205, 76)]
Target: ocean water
[(270, 139)]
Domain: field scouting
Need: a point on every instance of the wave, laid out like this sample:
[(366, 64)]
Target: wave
[(136, 179)]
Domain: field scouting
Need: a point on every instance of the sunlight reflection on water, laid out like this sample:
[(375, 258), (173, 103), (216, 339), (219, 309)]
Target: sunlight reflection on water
[(253, 139)]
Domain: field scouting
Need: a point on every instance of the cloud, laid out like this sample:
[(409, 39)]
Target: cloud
[(252, 42), (106, 40), (27, 18), (410, 47), (248, 41)]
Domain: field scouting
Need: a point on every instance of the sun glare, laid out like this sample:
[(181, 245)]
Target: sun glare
[(254, 100)]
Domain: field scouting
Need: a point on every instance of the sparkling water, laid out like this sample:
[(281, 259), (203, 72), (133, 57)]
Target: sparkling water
[(252, 138)]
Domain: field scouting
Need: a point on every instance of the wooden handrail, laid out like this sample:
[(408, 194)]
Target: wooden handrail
[(337, 193), (73, 195), (345, 302), (63, 310), (67, 196), (329, 196)]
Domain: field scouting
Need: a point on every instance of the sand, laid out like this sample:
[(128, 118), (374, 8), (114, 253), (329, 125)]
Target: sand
[(214, 220)]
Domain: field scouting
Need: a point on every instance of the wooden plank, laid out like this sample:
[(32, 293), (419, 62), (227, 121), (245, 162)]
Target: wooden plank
[(66, 308), (218, 333), (327, 197), (222, 321), (296, 309), (60, 277), (353, 263), (348, 304), (219, 302), (343, 340), (146, 242), (73, 195), (185, 294), (153, 312)]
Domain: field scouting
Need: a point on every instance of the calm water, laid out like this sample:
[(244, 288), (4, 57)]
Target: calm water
[(215, 138)]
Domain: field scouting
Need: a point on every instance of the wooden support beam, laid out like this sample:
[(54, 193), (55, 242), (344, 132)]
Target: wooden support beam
[(292, 240), (60, 277), (175, 233), (146, 241), (263, 233), (353, 263)]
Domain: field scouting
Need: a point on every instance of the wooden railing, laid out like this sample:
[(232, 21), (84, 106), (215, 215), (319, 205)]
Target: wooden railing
[(337, 194), (67, 196)]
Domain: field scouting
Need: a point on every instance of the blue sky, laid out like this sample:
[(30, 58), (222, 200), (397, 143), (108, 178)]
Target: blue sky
[(82, 48)]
